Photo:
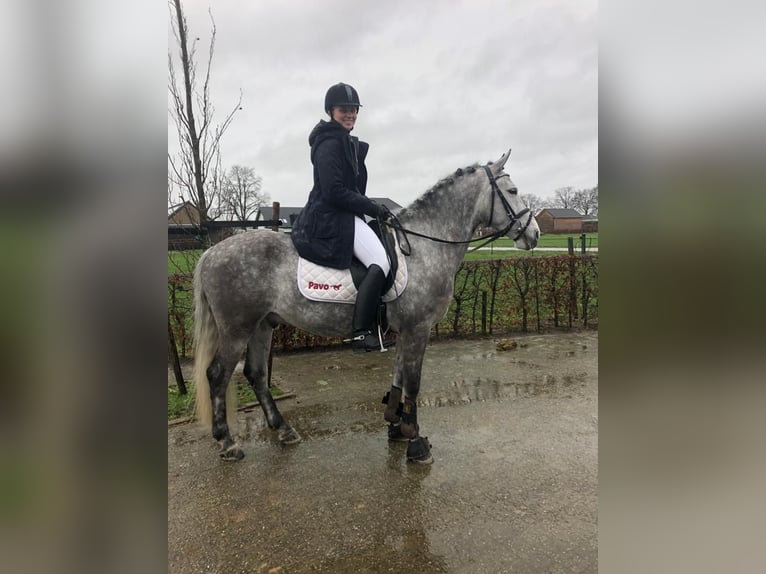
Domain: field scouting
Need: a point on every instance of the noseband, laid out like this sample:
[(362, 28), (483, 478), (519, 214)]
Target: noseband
[(513, 217)]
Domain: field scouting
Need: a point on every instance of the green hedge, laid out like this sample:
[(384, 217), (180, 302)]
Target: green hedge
[(525, 294)]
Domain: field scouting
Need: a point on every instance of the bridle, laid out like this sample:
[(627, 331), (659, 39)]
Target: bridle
[(513, 219)]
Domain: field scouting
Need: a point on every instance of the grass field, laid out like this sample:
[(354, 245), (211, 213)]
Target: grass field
[(183, 405), (558, 240), (184, 261), (547, 241)]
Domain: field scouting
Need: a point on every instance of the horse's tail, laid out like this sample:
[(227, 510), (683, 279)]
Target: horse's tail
[(206, 342)]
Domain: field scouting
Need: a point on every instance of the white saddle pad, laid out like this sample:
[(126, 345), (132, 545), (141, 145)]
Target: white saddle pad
[(320, 283)]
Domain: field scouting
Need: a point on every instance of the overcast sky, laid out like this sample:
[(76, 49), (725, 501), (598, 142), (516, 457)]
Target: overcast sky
[(443, 84)]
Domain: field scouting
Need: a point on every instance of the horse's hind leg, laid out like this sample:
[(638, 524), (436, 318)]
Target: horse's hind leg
[(219, 375), (256, 372)]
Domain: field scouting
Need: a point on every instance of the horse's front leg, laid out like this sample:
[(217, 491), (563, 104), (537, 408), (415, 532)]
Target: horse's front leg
[(402, 416)]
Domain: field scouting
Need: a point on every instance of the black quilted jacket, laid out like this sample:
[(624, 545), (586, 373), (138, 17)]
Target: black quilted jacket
[(324, 230)]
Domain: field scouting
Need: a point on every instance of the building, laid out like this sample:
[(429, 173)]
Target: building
[(554, 220), (590, 224), (389, 203), (288, 214), (184, 231), (183, 228), (184, 214)]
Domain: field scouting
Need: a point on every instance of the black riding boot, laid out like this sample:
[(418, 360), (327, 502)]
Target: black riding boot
[(367, 300)]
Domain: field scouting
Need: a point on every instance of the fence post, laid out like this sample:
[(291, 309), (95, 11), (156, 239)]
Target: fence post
[(537, 293), (586, 264), (582, 243), (570, 245), (275, 216), (173, 356), (483, 312)]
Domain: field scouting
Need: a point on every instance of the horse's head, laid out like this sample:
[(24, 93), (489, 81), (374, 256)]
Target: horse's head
[(508, 211)]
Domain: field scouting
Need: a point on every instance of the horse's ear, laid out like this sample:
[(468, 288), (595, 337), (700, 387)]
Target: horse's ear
[(498, 165)]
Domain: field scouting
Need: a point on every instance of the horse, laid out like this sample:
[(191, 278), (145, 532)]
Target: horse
[(245, 286)]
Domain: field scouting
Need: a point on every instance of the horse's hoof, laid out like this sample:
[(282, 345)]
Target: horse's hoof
[(419, 451), (289, 436), (234, 452), (395, 433)]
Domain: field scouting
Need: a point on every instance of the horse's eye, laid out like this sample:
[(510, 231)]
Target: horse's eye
[(513, 190)]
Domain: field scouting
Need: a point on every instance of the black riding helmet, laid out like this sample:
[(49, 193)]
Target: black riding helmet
[(341, 95)]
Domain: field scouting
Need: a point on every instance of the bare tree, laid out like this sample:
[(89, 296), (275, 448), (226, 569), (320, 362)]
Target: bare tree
[(586, 201), (196, 170), (564, 197), (594, 199), (532, 201), (241, 193), (171, 191)]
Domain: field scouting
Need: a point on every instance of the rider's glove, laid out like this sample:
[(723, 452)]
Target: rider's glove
[(381, 211)]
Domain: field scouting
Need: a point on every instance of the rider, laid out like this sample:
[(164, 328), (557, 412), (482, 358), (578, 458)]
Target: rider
[(330, 228)]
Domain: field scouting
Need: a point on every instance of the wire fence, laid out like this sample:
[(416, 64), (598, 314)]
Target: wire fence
[(498, 296)]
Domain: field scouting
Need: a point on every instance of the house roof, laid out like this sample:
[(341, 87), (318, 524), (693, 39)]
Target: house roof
[(389, 203), (284, 213), (186, 206), (563, 213), (288, 213)]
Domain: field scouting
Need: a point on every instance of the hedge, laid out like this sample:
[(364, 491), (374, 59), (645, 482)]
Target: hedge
[(499, 296)]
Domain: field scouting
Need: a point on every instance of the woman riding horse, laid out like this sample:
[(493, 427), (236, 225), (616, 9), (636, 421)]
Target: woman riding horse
[(245, 286), (331, 228)]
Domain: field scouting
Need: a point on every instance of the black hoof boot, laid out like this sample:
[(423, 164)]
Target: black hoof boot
[(395, 433), (419, 451)]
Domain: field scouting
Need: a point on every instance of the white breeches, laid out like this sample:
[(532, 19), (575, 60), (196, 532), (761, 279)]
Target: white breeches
[(367, 247)]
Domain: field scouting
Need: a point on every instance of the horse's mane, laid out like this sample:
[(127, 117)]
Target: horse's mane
[(430, 196)]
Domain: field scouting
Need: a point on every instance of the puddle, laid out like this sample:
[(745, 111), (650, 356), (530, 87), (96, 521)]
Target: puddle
[(316, 421), (480, 389), (347, 489)]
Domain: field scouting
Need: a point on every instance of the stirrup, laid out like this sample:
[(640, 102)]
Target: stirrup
[(363, 342), (369, 341)]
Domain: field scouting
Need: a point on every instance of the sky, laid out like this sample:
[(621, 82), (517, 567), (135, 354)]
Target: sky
[(443, 84)]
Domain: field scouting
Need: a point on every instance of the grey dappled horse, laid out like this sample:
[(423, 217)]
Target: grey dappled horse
[(245, 286)]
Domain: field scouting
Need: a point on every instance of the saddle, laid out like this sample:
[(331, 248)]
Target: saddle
[(320, 283)]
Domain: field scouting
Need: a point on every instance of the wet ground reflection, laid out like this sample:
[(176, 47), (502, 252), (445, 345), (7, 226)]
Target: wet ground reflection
[(513, 487)]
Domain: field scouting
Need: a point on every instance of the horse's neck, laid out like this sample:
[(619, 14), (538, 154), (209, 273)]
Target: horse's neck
[(453, 214)]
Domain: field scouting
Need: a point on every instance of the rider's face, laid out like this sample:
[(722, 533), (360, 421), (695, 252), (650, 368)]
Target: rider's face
[(345, 116)]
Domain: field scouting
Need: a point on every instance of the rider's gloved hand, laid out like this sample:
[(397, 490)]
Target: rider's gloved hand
[(381, 211)]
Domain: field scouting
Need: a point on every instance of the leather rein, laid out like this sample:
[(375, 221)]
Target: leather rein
[(513, 219)]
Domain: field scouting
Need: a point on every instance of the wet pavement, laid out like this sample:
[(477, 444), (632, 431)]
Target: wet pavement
[(513, 487)]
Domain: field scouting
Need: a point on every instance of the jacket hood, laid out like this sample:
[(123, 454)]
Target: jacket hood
[(325, 130)]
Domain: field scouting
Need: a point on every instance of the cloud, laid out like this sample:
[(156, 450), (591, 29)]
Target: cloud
[(443, 85)]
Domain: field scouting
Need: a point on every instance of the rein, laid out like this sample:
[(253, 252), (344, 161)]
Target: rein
[(513, 218)]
